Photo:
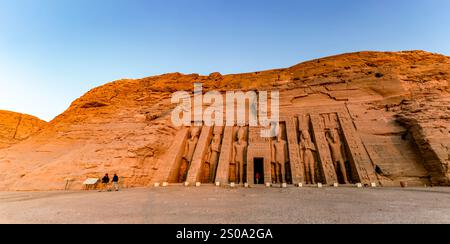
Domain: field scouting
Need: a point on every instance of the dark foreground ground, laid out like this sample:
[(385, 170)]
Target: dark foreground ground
[(209, 204)]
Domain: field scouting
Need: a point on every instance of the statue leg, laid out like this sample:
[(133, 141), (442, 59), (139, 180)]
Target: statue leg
[(275, 166), (307, 170), (274, 175), (274, 179), (241, 173), (343, 171), (182, 171), (312, 169), (238, 172), (212, 168)]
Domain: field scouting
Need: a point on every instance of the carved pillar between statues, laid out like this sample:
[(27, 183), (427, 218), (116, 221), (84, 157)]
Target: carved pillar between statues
[(195, 169), (297, 169), (225, 158)]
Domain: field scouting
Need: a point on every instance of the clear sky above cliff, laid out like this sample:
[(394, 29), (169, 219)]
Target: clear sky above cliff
[(53, 51)]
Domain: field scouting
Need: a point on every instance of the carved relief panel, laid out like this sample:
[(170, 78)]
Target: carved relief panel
[(323, 149), (211, 159), (188, 153), (280, 160)]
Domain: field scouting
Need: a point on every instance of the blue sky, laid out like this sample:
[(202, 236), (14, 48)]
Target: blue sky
[(53, 51)]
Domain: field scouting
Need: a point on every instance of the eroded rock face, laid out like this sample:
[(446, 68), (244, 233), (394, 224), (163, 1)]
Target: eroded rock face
[(428, 122), (125, 127), (15, 127)]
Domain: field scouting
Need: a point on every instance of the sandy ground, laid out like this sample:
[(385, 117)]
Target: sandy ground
[(209, 204)]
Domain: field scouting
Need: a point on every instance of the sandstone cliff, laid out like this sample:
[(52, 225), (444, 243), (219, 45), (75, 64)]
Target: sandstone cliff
[(15, 127), (124, 126)]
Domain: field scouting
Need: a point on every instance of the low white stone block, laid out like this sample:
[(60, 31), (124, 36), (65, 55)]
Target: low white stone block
[(198, 184), (359, 185), (373, 185), (217, 183), (319, 185), (186, 183), (246, 185), (232, 184), (165, 184), (156, 185), (300, 185), (268, 185), (336, 184), (284, 185)]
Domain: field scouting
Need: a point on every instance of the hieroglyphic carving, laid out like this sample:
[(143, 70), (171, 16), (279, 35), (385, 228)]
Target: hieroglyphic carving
[(196, 166), (188, 154), (361, 161)]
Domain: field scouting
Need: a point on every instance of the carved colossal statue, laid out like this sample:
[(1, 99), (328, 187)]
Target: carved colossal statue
[(213, 158), (280, 157), (239, 156), (206, 173), (446, 163), (335, 144), (189, 150), (307, 155)]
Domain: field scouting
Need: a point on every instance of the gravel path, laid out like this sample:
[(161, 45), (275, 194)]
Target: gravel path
[(209, 204)]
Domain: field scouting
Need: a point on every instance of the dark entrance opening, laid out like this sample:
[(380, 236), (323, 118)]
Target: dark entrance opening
[(259, 170)]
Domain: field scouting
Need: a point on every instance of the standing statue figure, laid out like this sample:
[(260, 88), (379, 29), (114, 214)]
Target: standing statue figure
[(213, 158), (189, 150), (280, 157), (335, 144), (307, 154), (240, 155)]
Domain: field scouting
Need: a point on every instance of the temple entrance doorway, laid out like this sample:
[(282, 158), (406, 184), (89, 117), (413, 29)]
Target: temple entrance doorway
[(259, 171)]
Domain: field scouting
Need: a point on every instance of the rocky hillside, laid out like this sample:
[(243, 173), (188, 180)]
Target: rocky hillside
[(124, 126), (15, 127)]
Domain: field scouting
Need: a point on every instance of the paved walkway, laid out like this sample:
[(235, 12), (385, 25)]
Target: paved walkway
[(209, 204)]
